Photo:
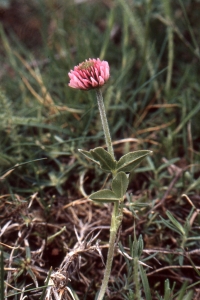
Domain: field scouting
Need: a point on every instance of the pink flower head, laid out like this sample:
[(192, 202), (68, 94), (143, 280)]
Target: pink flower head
[(90, 74)]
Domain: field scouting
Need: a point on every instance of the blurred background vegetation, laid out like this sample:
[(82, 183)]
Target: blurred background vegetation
[(152, 102)]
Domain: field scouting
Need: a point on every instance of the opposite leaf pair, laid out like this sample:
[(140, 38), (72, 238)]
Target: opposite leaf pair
[(107, 163), (118, 168)]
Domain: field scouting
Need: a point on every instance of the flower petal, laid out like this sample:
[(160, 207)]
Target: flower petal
[(91, 73)]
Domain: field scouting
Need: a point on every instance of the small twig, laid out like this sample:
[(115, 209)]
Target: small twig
[(171, 267), (164, 251), (196, 212)]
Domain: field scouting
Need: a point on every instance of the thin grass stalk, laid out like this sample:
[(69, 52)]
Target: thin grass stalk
[(179, 34), (194, 40), (107, 36), (42, 297), (144, 45), (125, 41), (170, 35)]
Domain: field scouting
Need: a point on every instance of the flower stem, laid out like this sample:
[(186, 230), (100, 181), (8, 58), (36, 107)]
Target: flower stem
[(113, 232), (116, 214), (104, 122)]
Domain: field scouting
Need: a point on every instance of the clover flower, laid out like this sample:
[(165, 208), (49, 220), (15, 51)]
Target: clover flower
[(90, 74)]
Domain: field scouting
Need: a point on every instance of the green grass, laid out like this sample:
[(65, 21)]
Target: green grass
[(152, 102)]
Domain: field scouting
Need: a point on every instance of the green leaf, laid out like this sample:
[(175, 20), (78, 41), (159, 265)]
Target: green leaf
[(88, 155), (140, 245), (185, 287), (32, 275), (106, 196), (145, 283), (120, 184), (130, 160), (101, 157), (169, 225), (176, 223), (168, 291), (189, 295), (107, 163)]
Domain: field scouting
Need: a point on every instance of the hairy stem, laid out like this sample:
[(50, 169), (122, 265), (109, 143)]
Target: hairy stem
[(116, 217), (113, 232), (104, 122)]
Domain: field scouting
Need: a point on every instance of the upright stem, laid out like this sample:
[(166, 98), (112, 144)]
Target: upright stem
[(104, 122), (115, 222), (113, 232)]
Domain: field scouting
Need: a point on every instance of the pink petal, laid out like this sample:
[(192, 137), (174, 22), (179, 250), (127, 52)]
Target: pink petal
[(101, 81), (91, 73), (94, 82)]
